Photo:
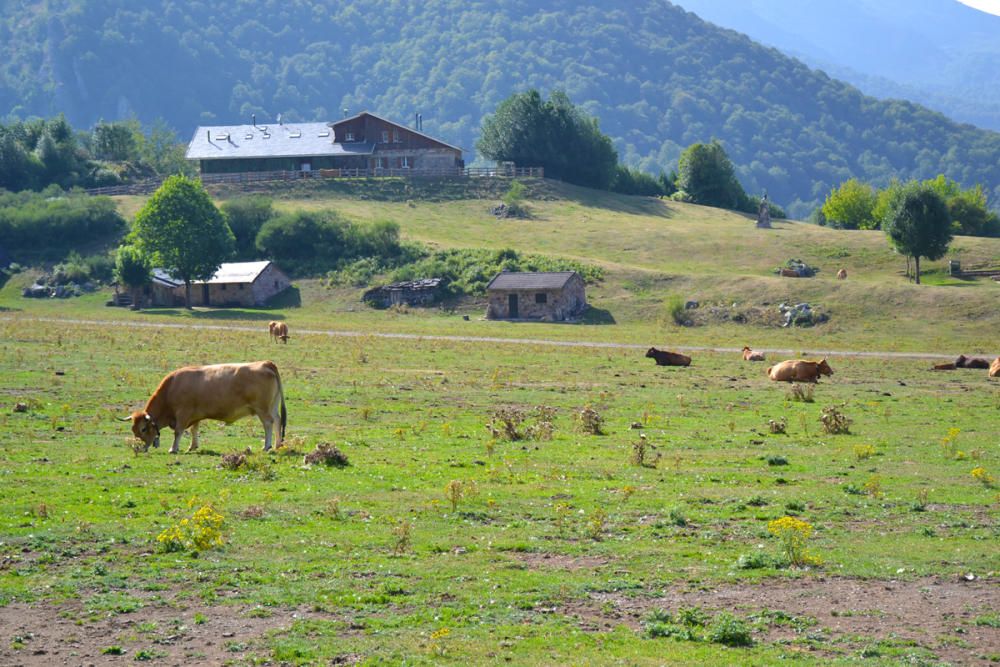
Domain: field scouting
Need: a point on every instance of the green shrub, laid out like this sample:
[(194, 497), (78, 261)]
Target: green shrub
[(729, 630)]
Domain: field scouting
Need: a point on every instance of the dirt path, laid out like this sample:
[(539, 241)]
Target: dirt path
[(476, 339)]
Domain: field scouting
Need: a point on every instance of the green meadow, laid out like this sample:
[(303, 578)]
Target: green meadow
[(518, 501)]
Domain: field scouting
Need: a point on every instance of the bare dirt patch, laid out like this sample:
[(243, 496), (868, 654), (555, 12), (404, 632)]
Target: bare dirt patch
[(46, 634), (937, 614), (552, 561)]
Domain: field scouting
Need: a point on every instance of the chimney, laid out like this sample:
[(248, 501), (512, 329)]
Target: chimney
[(208, 133), (416, 121), (345, 112), (279, 119), (253, 119), (420, 122)]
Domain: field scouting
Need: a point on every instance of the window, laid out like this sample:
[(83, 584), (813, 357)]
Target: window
[(276, 284), (404, 162), (395, 137), (541, 298), (348, 136), (385, 136), (223, 288), (380, 163), (242, 286)]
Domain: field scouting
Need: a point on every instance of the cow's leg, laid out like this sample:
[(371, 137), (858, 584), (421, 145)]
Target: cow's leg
[(178, 432), (268, 423), (194, 437)]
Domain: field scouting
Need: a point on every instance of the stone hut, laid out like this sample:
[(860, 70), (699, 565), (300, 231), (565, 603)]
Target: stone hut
[(557, 296), (234, 284)]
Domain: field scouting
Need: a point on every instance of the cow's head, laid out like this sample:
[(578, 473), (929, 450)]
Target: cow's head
[(824, 368), (145, 428), (651, 352)]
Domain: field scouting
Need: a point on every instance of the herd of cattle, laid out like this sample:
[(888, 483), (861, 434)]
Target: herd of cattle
[(228, 392)]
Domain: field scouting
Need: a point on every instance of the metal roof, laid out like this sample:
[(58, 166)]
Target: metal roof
[(228, 142), (234, 272), (391, 122), (527, 280)]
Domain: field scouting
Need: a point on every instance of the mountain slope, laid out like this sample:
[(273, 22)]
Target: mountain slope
[(936, 52), (657, 77)]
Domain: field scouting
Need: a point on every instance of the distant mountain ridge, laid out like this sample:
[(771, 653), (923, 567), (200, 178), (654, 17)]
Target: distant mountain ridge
[(937, 52), (656, 76)]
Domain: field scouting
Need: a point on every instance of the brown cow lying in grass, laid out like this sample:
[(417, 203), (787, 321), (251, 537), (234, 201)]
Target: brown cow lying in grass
[(789, 273), (799, 370), (664, 358), (970, 362), (750, 355), (995, 368)]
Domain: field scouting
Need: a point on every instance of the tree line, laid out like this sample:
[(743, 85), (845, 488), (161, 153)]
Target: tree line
[(659, 79)]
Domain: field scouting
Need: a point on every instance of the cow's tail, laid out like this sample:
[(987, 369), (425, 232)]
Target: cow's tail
[(281, 394)]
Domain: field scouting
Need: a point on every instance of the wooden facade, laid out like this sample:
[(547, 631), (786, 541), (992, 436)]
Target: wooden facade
[(396, 146)]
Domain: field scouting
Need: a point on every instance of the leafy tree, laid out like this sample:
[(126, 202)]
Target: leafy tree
[(246, 216), (631, 181), (970, 215), (553, 134), (183, 231), (133, 270), (706, 176), (918, 224), (116, 141), (851, 206)]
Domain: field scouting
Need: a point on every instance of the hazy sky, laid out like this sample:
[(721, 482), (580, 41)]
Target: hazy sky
[(991, 6)]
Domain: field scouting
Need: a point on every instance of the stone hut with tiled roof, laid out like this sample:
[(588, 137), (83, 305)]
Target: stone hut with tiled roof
[(557, 296)]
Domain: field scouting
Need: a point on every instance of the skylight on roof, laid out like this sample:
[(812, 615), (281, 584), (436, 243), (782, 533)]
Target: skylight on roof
[(294, 135), (324, 134)]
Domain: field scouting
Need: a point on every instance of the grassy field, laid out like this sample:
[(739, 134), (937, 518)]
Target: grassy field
[(446, 542), (652, 250)]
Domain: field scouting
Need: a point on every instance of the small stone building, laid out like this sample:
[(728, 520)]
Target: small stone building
[(557, 296), (234, 284)]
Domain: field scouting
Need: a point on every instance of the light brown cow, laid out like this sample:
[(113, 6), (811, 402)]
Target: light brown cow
[(799, 370), (789, 273), (281, 331), (842, 274), (750, 355), (995, 368), (225, 392)]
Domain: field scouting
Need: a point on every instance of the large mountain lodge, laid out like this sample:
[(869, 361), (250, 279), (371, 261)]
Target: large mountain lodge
[(363, 142)]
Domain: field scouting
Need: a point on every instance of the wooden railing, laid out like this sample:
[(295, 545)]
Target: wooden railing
[(149, 186)]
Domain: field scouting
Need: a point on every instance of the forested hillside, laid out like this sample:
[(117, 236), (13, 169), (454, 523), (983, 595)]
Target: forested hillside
[(657, 77), (937, 52)]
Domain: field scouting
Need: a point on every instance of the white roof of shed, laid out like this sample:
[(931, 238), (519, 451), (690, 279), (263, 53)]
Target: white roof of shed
[(233, 272)]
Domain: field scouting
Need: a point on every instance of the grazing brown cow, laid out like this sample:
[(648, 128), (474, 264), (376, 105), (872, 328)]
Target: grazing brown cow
[(970, 362), (789, 273), (750, 355), (995, 368), (270, 329), (842, 274), (225, 392), (664, 358), (281, 331), (799, 370)]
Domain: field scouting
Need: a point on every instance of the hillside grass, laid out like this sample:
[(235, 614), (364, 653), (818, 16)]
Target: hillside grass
[(561, 537), (653, 250)]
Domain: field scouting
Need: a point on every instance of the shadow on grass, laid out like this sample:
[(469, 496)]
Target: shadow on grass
[(634, 204), (597, 316), (290, 298)]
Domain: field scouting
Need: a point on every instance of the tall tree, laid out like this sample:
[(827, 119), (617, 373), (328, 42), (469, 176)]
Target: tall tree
[(706, 175), (918, 224), (183, 231), (851, 206), (246, 216), (133, 270), (553, 134)]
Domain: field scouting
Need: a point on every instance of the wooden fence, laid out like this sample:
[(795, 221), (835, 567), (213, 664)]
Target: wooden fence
[(248, 177)]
